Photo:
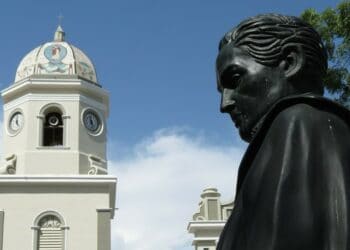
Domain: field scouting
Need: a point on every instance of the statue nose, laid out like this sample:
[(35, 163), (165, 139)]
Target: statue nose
[(227, 103)]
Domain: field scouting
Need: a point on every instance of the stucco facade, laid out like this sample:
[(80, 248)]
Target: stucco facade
[(207, 224), (55, 191)]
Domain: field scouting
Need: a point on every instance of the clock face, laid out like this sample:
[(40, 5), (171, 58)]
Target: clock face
[(16, 122), (91, 121)]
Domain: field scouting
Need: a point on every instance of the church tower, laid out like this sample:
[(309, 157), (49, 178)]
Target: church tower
[(55, 191), (208, 223)]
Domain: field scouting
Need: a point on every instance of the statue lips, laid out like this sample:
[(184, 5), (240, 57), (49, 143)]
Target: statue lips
[(236, 117)]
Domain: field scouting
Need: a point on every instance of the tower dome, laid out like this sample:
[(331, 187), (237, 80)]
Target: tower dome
[(56, 59)]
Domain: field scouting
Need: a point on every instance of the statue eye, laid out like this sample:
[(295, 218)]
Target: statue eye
[(231, 79), (235, 80)]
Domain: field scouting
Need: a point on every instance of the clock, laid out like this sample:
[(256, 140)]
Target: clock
[(92, 121), (16, 122)]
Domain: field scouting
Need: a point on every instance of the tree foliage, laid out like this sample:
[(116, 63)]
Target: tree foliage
[(333, 24)]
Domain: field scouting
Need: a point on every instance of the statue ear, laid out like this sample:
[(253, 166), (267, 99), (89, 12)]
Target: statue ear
[(293, 62)]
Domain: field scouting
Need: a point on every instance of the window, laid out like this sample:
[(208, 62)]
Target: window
[(53, 129), (49, 232), (52, 125)]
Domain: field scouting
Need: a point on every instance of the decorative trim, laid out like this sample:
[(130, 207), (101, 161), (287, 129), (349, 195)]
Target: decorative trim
[(48, 213), (54, 98), (49, 107), (64, 181), (111, 211), (193, 226), (93, 170), (50, 221), (200, 239), (104, 210), (97, 165), (74, 80), (205, 238), (10, 165)]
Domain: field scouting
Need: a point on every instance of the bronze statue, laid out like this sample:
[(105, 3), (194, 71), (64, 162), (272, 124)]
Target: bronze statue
[(293, 188)]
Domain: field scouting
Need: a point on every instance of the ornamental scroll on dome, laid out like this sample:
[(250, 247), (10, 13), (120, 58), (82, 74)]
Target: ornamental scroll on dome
[(82, 67), (27, 65)]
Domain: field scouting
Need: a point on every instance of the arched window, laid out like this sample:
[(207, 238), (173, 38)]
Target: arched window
[(49, 232), (53, 129), (52, 125)]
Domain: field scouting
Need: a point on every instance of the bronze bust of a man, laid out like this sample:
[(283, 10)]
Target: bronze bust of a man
[(293, 188)]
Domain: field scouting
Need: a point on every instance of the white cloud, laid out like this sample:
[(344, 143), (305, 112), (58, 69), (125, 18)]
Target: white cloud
[(159, 188)]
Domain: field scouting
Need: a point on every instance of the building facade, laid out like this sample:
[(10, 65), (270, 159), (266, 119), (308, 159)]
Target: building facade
[(55, 191), (207, 224)]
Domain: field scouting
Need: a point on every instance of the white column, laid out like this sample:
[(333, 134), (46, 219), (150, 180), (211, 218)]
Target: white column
[(1, 228), (104, 229)]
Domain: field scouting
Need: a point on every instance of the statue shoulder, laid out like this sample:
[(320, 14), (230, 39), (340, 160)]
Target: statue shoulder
[(313, 116), (300, 112)]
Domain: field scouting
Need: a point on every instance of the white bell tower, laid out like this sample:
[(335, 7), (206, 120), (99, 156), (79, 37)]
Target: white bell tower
[(55, 113), (58, 192)]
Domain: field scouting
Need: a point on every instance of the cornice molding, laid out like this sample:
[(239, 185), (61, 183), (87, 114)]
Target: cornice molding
[(64, 181), (54, 98)]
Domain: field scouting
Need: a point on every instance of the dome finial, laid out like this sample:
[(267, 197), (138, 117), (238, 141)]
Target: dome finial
[(59, 34)]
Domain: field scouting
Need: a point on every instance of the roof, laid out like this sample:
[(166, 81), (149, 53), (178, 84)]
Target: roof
[(56, 58)]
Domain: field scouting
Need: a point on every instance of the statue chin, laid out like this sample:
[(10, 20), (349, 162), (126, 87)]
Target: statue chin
[(246, 134)]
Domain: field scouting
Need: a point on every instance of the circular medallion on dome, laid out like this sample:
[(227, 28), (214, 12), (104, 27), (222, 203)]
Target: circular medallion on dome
[(59, 60), (55, 53)]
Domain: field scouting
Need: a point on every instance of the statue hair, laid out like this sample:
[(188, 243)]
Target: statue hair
[(266, 37)]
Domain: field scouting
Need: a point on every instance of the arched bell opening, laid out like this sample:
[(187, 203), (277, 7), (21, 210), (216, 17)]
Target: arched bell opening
[(53, 129), (52, 126)]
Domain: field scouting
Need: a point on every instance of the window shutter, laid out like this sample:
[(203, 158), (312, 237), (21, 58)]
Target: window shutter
[(50, 234)]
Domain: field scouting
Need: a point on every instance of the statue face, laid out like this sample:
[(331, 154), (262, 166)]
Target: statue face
[(248, 89)]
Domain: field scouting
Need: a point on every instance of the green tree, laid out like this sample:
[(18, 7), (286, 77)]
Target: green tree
[(333, 24)]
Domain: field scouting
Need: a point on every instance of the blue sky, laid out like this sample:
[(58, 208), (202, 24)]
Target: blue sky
[(156, 58)]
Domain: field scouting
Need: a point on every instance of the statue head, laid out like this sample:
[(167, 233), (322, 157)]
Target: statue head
[(264, 59)]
